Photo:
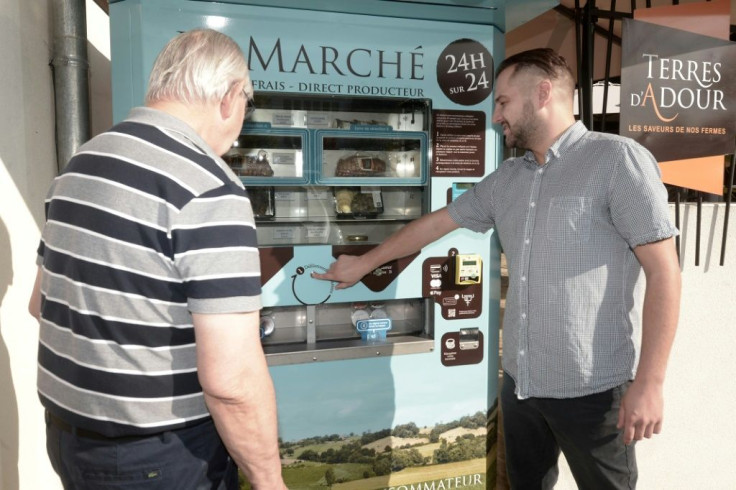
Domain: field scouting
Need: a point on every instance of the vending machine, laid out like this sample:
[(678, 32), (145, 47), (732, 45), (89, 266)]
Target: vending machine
[(368, 115)]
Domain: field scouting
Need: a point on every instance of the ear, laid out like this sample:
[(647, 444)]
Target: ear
[(229, 103), (544, 92)]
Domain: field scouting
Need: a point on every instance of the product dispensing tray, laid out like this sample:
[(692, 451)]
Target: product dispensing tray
[(334, 350), (328, 332)]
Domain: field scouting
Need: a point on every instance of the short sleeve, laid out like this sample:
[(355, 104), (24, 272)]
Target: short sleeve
[(474, 208), (638, 198), (216, 253)]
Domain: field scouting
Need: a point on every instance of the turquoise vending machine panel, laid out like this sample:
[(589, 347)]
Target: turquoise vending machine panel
[(368, 117)]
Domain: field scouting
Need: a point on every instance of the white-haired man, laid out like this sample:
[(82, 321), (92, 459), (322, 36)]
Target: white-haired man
[(150, 365)]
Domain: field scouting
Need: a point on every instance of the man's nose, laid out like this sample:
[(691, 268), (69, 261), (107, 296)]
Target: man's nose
[(496, 117)]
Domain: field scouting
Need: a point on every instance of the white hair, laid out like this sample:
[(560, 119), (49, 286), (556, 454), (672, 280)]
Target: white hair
[(198, 66)]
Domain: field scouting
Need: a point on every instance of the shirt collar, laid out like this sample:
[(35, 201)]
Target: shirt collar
[(161, 119), (566, 140), (158, 118)]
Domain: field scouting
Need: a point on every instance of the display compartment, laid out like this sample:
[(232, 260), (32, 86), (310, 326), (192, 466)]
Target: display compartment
[(379, 141), (326, 332), (362, 177), (377, 158), (306, 215), (275, 156), (352, 113)]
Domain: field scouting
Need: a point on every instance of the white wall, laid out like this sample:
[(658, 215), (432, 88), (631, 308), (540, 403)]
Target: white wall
[(28, 162), (697, 446), (27, 166)]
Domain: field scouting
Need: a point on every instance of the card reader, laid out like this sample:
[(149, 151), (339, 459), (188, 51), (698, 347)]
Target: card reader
[(468, 269)]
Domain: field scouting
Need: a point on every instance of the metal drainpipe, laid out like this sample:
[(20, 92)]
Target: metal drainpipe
[(70, 67)]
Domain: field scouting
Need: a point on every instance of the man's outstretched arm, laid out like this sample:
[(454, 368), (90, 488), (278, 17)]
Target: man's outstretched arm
[(349, 269)]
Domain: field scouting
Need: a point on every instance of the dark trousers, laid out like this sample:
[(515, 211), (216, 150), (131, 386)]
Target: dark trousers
[(584, 429), (191, 458)]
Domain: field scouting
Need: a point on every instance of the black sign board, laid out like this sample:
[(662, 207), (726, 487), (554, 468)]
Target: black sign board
[(678, 95)]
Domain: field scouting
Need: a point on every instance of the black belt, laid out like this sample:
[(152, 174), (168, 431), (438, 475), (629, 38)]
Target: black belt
[(87, 434)]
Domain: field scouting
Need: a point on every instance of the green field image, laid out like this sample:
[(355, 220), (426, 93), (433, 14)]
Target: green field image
[(457, 454)]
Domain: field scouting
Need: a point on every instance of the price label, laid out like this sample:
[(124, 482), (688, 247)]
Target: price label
[(318, 120), (283, 158), (285, 196), (318, 194), (317, 231), (283, 234), (283, 119)]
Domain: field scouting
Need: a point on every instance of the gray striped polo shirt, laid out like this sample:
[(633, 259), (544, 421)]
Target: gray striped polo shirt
[(572, 323), (144, 226)]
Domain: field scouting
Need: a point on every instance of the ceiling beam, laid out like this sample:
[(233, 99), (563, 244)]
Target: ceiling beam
[(104, 5), (601, 31)]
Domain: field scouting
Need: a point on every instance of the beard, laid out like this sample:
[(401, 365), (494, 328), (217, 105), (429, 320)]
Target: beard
[(521, 133)]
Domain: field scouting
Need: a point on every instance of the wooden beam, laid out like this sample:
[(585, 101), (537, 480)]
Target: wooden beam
[(104, 5), (601, 31)]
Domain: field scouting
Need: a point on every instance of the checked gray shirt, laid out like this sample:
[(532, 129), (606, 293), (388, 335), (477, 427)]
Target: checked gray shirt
[(572, 324)]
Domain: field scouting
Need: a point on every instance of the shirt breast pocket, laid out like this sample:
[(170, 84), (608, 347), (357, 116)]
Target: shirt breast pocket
[(569, 219)]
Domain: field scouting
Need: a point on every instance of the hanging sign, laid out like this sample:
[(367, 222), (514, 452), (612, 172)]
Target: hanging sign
[(678, 98)]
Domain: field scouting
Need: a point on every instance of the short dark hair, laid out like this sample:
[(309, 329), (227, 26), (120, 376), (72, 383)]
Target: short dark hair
[(546, 60)]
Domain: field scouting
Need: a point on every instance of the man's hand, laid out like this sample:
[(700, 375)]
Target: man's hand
[(642, 407), (346, 271), (641, 412), (349, 269)]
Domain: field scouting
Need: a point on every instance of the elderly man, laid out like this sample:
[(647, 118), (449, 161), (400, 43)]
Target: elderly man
[(150, 365)]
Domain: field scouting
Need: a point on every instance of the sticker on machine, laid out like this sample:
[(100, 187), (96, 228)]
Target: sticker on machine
[(459, 142), (465, 72), (461, 348), (439, 282)]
